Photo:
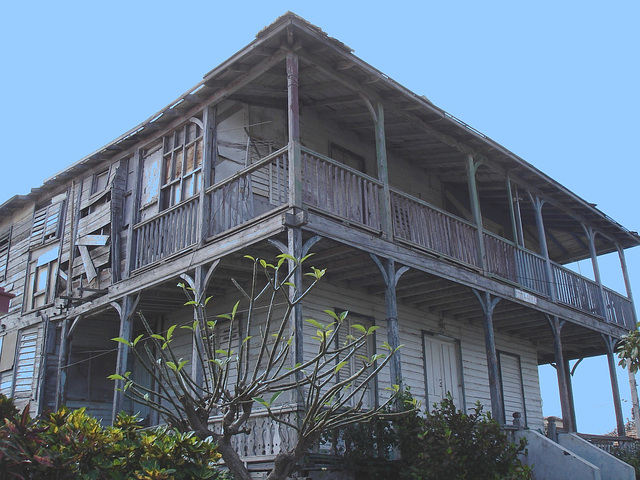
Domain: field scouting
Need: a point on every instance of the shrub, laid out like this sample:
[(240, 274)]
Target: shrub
[(73, 445), (455, 445)]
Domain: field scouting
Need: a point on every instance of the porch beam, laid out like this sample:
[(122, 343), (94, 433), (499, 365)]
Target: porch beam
[(293, 122), (125, 310), (488, 304), (472, 168), (565, 402), (610, 343), (390, 277), (383, 172)]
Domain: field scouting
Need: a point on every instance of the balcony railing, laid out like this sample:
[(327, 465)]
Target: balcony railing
[(424, 225), (344, 193), (340, 191), (249, 193), (168, 233)]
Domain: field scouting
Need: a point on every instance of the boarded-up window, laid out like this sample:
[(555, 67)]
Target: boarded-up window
[(46, 224), (5, 242), (512, 387), (26, 361), (182, 163), (100, 181)]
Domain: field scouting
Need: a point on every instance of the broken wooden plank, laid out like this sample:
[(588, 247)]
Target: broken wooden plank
[(93, 240), (89, 269)]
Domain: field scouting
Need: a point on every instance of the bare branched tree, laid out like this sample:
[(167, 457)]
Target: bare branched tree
[(233, 383)]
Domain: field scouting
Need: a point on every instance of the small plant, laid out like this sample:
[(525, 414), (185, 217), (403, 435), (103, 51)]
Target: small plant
[(73, 445)]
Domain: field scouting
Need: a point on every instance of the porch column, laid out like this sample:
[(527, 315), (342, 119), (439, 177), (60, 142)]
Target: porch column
[(472, 168), (125, 310), (63, 359), (610, 344), (390, 277), (627, 284), (386, 219), (131, 246), (209, 144), (488, 303), (294, 152), (572, 405), (516, 223), (561, 370), (591, 237), (538, 203)]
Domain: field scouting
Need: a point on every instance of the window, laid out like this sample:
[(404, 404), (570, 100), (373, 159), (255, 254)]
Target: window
[(26, 361), (43, 270), (100, 181), (182, 164), (46, 224), (5, 243), (355, 363)]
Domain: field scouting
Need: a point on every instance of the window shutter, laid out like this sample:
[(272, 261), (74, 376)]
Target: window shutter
[(45, 224)]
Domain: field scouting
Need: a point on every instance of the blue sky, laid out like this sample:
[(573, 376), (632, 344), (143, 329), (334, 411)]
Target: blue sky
[(555, 82)]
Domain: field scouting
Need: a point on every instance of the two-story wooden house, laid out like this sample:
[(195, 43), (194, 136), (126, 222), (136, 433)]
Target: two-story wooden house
[(449, 242)]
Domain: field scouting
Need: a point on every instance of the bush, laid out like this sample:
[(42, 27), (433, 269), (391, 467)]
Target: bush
[(446, 443), (73, 445), (632, 457), (454, 445)]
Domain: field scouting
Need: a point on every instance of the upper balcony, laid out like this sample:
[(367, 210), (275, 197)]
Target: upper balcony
[(335, 190)]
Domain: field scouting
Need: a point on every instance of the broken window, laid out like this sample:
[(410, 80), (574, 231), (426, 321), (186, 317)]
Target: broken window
[(43, 270), (5, 242), (182, 163), (46, 224)]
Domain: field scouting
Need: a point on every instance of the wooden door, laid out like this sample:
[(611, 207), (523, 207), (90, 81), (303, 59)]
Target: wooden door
[(442, 370)]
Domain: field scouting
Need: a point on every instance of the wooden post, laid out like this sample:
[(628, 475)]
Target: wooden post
[(390, 277), (295, 155), (472, 167), (133, 214), (512, 214), (386, 220), (572, 405), (63, 358), (565, 402), (488, 305), (125, 311), (627, 284), (591, 237), (617, 404), (209, 144), (538, 203)]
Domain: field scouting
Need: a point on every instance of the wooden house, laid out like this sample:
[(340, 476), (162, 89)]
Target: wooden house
[(451, 244)]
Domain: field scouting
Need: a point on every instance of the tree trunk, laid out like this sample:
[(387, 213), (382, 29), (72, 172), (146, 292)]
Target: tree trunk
[(232, 460)]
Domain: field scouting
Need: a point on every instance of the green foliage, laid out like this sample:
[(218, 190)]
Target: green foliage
[(73, 445), (632, 457), (454, 445), (629, 350), (446, 443)]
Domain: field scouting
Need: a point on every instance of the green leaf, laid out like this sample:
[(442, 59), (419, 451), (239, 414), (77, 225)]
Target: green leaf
[(157, 337), (223, 352), (263, 263), (170, 332), (225, 316), (115, 376), (191, 302), (372, 329), (275, 396), (121, 340), (247, 339), (307, 256), (137, 339), (360, 328), (315, 323), (261, 401), (340, 365), (333, 314), (235, 309), (181, 285), (250, 258), (288, 257), (206, 300)]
